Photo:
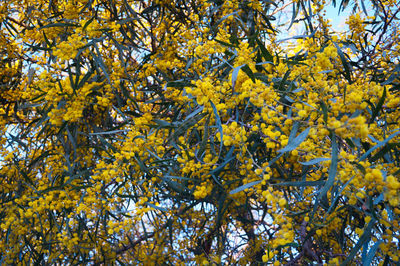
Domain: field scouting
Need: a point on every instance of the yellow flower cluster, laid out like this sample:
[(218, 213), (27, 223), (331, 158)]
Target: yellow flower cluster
[(172, 132), (69, 49), (234, 134)]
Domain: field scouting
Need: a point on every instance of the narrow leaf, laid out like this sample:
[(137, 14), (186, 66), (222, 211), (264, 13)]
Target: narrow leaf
[(333, 167), (241, 188), (347, 72), (235, 73), (332, 174), (378, 145), (229, 157), (315, 161), (301, 183), (371, 253), (366, 236), (379, 105), (265, 53), (296, 141), (156, 207), (59, 24), (218, 121)]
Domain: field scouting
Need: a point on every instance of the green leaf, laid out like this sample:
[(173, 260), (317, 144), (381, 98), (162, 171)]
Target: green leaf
[(301, 183), (177, 187), (371, 253), (235, 73), (221, 208), (347, 71), (85, 78), (378, 145), (293, 133), (343, 5), (183, 127), (271, 162), (179, 177), (324, 111), (333, 166), (315, 161), (337, 196), (100, 62), (203, 144), (229, 157), (47, 40), (163, 124), (37, 47), (283, 82), (265, 53), (39, 159), (109, 132), (294, 143), (390, 79), (225, 43), (87, 23), (303, 36), (295, 11), (219, 124), (156, 207), (59, 24), (25, 176), (379, 105), (215, 26), (194, 113), (179, 84), (246, 69), (241, 188), (106, 143), (383, 153), (332, 173), (366, 236)]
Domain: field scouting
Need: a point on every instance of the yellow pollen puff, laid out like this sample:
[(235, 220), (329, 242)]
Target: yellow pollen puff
[(282, 202)]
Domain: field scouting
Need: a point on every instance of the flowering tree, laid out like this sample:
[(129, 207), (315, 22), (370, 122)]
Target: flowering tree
[(188, 132)]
